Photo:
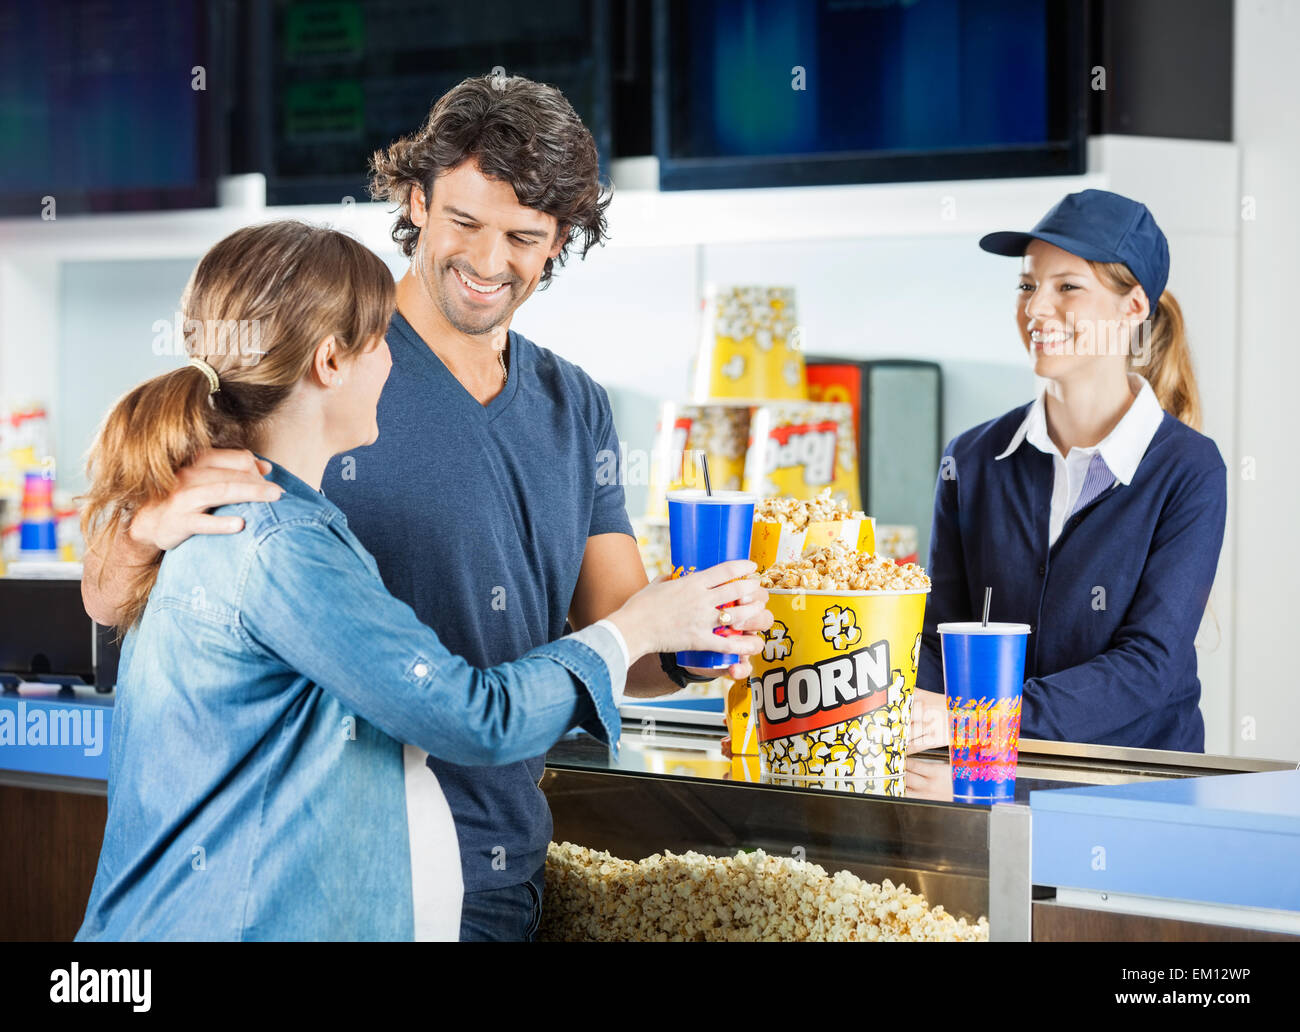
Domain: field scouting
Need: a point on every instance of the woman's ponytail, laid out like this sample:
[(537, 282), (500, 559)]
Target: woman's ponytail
[(154, 430), (1164, 359), (258, 305), (1168, 366)]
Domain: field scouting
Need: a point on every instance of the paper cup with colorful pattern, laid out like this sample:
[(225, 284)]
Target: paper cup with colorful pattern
[(983, 674)]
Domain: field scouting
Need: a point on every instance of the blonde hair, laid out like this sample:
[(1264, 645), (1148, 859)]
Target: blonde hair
[(294, 285), (1169, 362)]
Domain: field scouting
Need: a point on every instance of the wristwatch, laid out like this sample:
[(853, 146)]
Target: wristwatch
[(680, 676)]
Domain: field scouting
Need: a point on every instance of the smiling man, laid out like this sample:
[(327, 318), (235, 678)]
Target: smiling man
[(480, 501)]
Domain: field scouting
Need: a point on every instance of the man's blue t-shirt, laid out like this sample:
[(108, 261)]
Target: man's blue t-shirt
[(478, 516)]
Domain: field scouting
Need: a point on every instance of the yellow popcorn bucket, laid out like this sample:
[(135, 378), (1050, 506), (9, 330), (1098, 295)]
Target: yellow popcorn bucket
[(742, 722), (773, 541), (832, 688), (859, 535), (742, 731)]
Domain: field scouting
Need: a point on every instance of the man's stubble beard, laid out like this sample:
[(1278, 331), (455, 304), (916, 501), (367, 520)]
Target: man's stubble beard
[(436, 292)]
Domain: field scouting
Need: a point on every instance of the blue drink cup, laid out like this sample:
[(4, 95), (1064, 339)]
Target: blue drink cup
[(704, 530), (983, 674)]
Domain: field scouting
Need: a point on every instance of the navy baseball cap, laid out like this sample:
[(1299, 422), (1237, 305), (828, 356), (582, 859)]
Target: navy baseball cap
[(1098, 226)]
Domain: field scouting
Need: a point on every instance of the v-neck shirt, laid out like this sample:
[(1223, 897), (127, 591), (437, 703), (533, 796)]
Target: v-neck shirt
[(447, 379)]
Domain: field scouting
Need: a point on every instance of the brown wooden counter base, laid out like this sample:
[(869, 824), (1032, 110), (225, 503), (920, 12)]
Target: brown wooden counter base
[(49, 849)]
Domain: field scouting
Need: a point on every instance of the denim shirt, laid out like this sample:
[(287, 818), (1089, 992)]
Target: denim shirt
[(258, 785)]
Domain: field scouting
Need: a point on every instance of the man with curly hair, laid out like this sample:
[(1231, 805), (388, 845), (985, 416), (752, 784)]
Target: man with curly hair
[(481, 501)]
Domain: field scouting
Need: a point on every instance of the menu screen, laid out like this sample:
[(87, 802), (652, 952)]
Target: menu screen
[(114, 113)]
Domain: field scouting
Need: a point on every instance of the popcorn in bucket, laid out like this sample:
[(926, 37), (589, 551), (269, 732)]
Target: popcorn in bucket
[(785, 527)]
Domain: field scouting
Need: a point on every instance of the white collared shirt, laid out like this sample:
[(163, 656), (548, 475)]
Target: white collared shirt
[(1121, 450)]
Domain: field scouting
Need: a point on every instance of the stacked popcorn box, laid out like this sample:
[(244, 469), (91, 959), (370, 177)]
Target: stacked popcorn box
[(749, 411), (750, 346), (795, 449), (897, 541), (749, 414), (802, 449)]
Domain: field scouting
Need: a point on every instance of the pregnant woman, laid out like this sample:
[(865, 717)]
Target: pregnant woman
[(275, 703), (1096, 512)]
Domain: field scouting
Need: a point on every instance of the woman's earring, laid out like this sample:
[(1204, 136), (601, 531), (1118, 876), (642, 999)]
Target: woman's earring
[(338, 381)]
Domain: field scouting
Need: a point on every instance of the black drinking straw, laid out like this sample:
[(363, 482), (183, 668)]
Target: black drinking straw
[(988, 598), (704, 465)]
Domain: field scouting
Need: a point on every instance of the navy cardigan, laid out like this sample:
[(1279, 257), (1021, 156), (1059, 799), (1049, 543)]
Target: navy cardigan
[(1114, 605)]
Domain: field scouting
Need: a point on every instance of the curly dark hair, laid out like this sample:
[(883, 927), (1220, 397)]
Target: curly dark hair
[(518, 131)]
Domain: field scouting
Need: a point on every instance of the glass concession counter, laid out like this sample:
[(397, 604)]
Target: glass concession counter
[(1099, 843), (671, 789)]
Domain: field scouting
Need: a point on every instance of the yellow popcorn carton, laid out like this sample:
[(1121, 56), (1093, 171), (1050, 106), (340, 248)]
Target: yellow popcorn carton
[(720, 431), (742, 731), (832, 688), (742, 721), (785, 527), (800, 450), (774, 541), (858, 533), (745, 768), (750, 346)]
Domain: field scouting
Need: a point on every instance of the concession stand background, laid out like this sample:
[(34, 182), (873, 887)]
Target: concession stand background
[(1197, 118)]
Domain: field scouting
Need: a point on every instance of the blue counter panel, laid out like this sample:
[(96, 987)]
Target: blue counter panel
[(44, 732), (1233, 839)]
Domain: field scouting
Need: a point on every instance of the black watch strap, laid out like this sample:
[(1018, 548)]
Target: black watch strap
[(679, 675)]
